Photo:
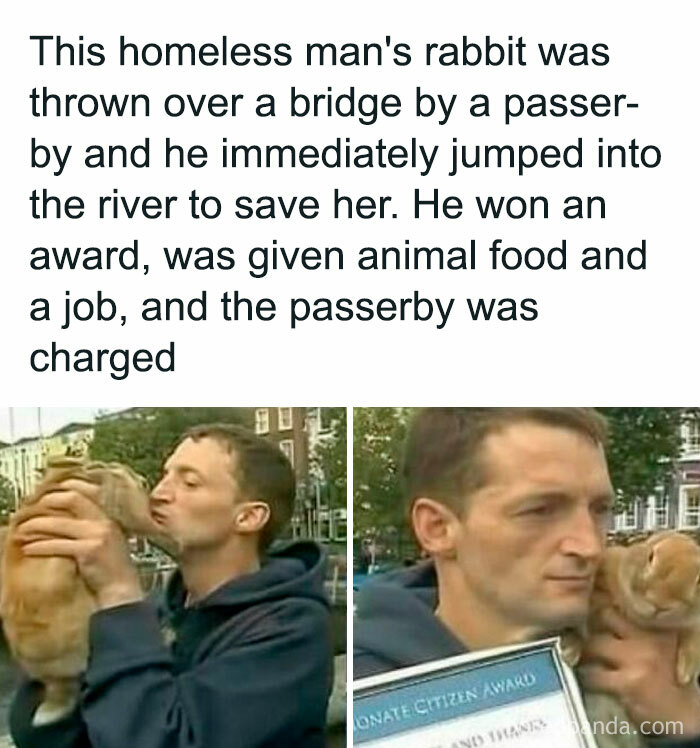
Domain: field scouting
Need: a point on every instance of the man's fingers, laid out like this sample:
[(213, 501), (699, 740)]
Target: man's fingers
[(52, 547), (84, 487), (62, 527), (26, 512), (35, 510), (611, 620), (73, 501), (72, 497), (603, 648), (596, 677)]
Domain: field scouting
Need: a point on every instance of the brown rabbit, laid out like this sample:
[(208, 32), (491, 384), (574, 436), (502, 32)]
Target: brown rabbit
[(44, 604), (655, 584)]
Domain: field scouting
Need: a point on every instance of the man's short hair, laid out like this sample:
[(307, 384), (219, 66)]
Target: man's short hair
[(442, 457), (262, 472)]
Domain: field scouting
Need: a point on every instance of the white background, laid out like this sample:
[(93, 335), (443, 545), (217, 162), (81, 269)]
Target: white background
[(616, 338)]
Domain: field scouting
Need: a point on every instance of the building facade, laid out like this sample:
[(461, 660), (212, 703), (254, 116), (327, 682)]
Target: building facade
[(22, 462), (678, 506), (299, 432)]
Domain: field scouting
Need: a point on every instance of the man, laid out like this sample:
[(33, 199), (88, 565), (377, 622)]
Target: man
[(250, 662), (512, 506)]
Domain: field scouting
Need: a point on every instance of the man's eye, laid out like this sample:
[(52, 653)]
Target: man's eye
[(602, 510), (538, 510), (191, 483)]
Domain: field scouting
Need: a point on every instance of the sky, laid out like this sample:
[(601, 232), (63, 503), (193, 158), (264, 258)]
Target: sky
[(26, 420)]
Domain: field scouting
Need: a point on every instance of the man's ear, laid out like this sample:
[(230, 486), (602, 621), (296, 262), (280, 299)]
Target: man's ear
[(251, 517), (436, 527)]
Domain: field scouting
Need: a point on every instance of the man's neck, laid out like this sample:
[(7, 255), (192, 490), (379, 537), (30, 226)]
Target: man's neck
[(472, 620), (205, 569)]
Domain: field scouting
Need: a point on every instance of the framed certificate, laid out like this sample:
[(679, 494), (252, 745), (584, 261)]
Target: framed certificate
[(485, 699)]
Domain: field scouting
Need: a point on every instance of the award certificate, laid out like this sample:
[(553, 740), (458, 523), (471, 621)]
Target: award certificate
[(523, 696)]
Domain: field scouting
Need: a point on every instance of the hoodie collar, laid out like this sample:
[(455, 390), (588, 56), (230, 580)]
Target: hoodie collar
[(396, 619), (296, 569)]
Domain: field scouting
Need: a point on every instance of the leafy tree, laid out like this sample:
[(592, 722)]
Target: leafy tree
[(144, 439), (330, 457), (644, 444), (7, 499), (378, 436)]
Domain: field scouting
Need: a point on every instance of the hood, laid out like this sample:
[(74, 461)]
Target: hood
[(292, 570), (395, 624)]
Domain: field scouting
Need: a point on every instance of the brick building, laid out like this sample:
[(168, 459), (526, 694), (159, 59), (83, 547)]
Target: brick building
[(320, 513)]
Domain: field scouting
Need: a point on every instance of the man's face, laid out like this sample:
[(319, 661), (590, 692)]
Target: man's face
[(531, 537), (194, 500)]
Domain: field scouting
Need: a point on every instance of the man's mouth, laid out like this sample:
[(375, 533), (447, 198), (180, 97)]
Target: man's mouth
[(159, 517), (572, 580)]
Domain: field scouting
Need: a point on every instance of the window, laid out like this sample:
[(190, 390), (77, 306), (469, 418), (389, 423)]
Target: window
[(340, 524), (657, 511), (287, 448), (627, 520), (323, 526), (690, 506), (691, 436), (324, 420), (262, 421), (284, 419)]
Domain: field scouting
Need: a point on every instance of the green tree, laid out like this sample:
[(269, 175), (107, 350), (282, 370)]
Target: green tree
[(7, 499), (378, 436), (144, 439), (330, 456), (644, 445)]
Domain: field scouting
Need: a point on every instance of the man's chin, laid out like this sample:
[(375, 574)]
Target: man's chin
[(166, 542), (557, 618)]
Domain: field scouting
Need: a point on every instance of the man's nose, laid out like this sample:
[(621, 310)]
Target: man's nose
[(584, 537), (162, 492)]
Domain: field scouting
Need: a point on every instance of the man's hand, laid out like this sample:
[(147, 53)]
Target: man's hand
[(638, 667), (68, 522)]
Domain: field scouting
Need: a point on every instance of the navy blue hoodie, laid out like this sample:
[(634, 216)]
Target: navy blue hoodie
[(250, 666), (395, 627)]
